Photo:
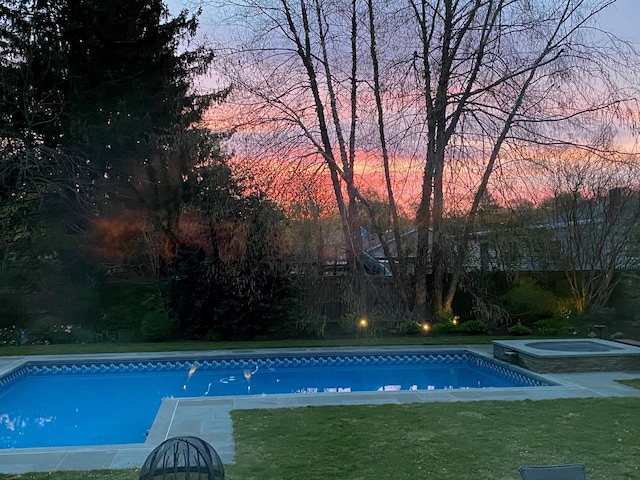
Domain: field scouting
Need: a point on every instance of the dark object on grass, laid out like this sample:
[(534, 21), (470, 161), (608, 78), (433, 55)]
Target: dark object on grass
[(183, 458), (553, 472)]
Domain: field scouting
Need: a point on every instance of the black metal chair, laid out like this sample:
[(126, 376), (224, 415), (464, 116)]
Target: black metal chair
[(183, 458), (573, 471)]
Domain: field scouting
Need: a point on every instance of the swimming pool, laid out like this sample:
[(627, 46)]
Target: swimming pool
[(115, 402)]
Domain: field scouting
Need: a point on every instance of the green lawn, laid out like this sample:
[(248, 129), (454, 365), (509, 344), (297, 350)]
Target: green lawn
[(635, 382), (462, 441), (89, 348)]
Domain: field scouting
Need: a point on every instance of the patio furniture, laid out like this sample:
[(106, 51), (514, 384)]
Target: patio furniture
[(573, 471), (183, 458)]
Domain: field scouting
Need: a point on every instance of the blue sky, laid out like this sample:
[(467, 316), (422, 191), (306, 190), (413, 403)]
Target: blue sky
[(623, 19)]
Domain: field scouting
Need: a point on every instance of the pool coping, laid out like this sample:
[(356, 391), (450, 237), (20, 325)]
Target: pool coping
[(210, 418), (615, 348)]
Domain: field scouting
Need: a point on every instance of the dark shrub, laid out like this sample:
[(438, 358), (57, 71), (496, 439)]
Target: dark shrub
[(410, 328), (528, 301), (443, 328), (50, 329), (12, 311), (156, 327), (553, 326), (472, 327), (125, 305), (519, 330), (597, 314)]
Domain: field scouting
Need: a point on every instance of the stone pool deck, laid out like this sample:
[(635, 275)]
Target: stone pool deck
[(210, 418)]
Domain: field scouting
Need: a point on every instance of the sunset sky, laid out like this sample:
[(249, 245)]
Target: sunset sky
[(620, 18)]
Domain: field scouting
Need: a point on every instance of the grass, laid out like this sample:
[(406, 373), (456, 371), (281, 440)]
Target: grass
[(90, 348), (436, 441), (92, 475), (634, 382), (462, 441)]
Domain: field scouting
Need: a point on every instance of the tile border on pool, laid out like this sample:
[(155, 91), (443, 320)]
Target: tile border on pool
[(210, 417), (213, 363)]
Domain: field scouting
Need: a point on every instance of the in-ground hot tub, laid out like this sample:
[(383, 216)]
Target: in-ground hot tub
[(568, 355)]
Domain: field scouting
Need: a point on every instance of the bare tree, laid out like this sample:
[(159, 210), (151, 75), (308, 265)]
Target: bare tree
[(448, 92), (499, 77), (594, 216), (302, 92)]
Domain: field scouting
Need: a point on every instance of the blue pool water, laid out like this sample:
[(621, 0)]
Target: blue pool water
[(96, 403)]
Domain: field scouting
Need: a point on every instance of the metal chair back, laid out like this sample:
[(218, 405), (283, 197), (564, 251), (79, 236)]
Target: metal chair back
[(553, 472)]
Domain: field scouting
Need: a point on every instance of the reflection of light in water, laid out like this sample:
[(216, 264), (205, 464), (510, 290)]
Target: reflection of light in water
[(307, 390), (247, 375), (232, 378), (389, 388), (192, 370), (18, 424), (42, 421)]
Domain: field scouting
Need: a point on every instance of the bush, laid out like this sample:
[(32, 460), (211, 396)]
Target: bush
[(598, 314), (519, 330), (554, 327), (42, 328), (443, 328), (49, 329), (124, 336), (12, 311), (311, 326), (472, 327), (10, 336), (125, 305), (445, 316), (156, 327), (528, 301), (244, 299), (374, 324), (409, 329), (348, 323)]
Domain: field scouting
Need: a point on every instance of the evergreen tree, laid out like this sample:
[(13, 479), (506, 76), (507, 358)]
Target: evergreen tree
[(102, 87), (35, 166), (128, 91)]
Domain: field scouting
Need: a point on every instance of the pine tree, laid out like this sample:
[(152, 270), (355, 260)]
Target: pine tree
[(96, 100)]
